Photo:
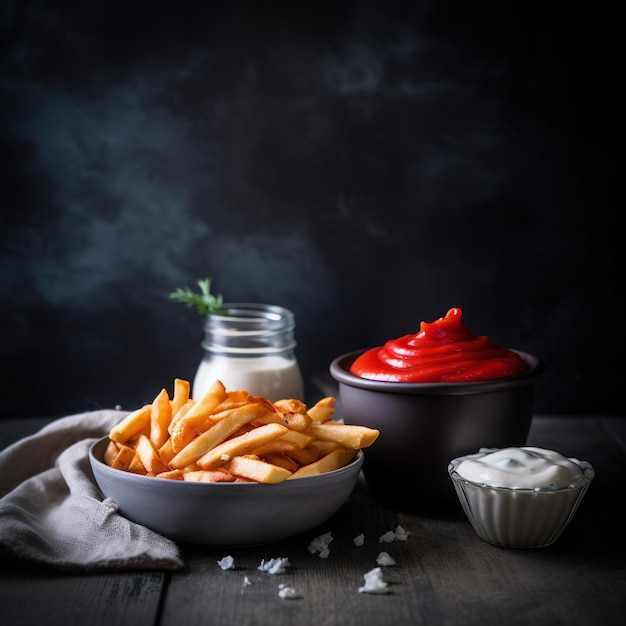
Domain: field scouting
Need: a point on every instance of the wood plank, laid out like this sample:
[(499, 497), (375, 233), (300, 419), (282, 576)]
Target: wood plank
[(31, 594), (616, 430), (204, 593)]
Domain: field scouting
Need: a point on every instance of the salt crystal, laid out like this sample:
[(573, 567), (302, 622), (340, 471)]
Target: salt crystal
[(374, 582), (398, 535), (289, 593), (227, 563), (385, 559), (320, 543), (401, 534), (275, 566)]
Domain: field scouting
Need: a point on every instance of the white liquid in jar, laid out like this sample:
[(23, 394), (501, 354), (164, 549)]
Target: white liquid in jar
[(274, 377)]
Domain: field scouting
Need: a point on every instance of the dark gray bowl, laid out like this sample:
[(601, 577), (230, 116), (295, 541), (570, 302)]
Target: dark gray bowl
[(425, 425)]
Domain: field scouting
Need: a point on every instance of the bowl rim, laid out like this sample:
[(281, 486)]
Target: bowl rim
[(339, 370), (353, 466)]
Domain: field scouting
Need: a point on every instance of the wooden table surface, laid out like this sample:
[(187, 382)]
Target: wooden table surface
[(444, 574)]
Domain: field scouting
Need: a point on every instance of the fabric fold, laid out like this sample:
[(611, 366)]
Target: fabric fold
[(52, 511)]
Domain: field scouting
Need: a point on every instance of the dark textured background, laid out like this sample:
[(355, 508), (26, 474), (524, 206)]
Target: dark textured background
[(367, 167)]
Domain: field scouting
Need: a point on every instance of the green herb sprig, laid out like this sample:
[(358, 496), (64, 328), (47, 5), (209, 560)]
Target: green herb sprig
[(204, 302)]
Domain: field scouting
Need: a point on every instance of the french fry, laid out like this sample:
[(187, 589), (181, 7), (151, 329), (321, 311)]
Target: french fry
[(172, 475), (123, 458), (305, 455), (181, 394), (232, 436), (180, 413), (290, 412), (290, 405), (187, 427), (322, 410), (136, 466), (216, 435), (160, 417), (257, 470), (325, 446), (348, 435), (110, 452), (268, 404), (294, 421), (149, 456), (282, 460), (222, 411), (209, 476), (243, 444), (332, 461), (291, 440), (166, 453), (276, 446), (192, 467), (234, 400), (132, 425)]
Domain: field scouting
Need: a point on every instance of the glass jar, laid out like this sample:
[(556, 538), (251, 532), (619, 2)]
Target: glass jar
[(250, 347)]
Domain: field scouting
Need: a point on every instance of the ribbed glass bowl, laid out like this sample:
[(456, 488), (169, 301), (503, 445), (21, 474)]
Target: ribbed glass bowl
[(519, 518)]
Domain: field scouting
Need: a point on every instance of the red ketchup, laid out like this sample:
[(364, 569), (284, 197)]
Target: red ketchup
[(442, 351)]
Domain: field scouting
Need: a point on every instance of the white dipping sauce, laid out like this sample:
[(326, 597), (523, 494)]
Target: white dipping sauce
[(519, 497), (521, 468)]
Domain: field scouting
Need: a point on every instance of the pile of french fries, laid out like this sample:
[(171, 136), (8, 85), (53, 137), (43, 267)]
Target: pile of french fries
[(232, 436)]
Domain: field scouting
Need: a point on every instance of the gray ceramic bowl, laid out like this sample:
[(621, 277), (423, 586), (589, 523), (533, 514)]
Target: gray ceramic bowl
[(424, 425), (225, 513)]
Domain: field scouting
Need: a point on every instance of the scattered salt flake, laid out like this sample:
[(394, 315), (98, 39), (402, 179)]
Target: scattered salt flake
[(289, 593), (402, 534), (385, 559), (225, 458), (275, 566), (359, 540), (227, 563), (398, 535), (247, 581), (321, 543), (374, 582)]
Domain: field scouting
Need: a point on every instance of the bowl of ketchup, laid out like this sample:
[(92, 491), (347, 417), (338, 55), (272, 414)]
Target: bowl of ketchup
[(434, 395)]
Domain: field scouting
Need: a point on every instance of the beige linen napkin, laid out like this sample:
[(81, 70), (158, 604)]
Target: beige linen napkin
[(52, 511)]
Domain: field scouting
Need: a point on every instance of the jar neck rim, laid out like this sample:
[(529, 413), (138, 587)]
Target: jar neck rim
[(251, 328), (253, 310), (248, 351)]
